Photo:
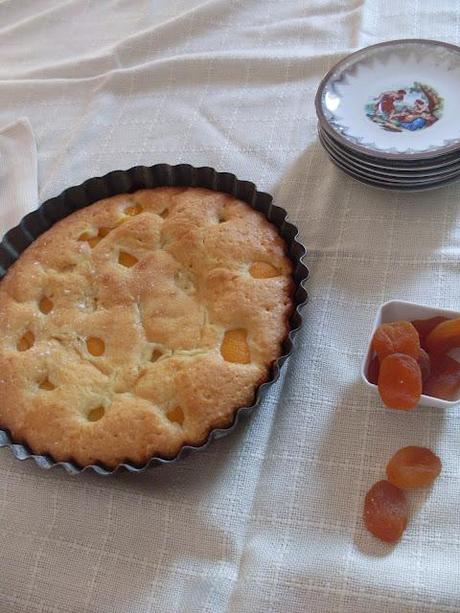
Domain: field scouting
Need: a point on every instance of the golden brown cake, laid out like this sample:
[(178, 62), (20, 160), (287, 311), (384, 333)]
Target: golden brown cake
[(140, 323)]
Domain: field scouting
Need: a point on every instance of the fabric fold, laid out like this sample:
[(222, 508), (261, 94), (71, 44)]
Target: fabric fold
[(18, 172)]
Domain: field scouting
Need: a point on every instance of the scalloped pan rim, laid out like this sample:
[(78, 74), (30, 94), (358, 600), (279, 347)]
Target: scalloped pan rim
[(126, 181)]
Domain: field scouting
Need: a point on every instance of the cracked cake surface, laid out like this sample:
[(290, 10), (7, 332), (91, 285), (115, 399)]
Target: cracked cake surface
[(138, 324)]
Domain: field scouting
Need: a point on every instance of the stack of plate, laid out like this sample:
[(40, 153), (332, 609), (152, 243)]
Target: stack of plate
[(389, 115)]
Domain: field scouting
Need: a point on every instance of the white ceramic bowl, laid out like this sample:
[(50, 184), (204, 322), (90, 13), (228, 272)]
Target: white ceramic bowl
[(397, 310)]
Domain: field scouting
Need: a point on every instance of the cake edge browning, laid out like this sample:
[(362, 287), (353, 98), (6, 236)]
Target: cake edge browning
[(21, 436)]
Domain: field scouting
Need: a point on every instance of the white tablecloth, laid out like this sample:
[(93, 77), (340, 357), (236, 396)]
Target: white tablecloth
[(268, 519)]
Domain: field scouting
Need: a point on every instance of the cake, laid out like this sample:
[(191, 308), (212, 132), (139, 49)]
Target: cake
[(140, 323)]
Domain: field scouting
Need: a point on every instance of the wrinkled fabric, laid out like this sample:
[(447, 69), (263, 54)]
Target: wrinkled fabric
[(268, 519)]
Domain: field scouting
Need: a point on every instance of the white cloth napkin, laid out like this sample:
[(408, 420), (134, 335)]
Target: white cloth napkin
[(18, 172), (269, 519)]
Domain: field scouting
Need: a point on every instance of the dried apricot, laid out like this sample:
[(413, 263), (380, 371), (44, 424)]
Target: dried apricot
[(425, 364), (373, 370), (444, 337), (385, 511), (95, 346), (400, 381), (26, 342), (263, 270), (396, 337), (46, 305), (176, 415), (235, 346), (96, 414), (127, 260), (131, 211), (444, 380), (412, 467), (47, 385), (425, 326)]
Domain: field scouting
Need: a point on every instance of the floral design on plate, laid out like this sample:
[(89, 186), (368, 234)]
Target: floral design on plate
[(410, 108)]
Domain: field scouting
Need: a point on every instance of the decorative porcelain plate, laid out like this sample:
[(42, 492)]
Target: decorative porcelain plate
[(388, 180), (399, 172), (394, 186), (434, 165), (397, 100)]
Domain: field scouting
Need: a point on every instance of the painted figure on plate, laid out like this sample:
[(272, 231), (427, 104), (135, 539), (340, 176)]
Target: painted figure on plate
[(411, 109)]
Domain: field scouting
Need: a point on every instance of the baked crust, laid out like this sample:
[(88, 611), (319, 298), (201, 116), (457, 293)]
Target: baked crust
[(113, 325)]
